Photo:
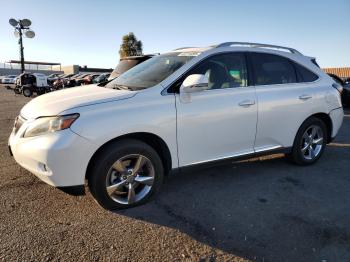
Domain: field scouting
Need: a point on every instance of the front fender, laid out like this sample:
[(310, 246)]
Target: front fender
[(143, 113)]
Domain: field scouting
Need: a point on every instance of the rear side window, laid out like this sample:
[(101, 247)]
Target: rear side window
[(272, 69), (304, 75)]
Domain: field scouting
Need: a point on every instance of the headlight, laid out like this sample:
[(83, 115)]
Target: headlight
[(45, 125)]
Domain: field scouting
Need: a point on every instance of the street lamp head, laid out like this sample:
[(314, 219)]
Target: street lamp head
[(25, 22), (13, 22), (29, 34), (22, 26)]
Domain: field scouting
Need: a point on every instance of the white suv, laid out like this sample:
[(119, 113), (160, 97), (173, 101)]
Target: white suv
[(187, 107)]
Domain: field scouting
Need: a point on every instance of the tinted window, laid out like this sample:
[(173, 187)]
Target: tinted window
[(304, 75), (272, 69), (223, 71)]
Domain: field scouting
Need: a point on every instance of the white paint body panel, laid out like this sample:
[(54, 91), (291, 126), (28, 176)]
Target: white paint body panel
[(209, 126), (58, 101), (64, 153), (337, 116), (213, 126), (281, 112)]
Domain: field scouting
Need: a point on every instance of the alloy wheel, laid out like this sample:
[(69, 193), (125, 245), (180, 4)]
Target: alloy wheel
[(130, 179), (312, 142)]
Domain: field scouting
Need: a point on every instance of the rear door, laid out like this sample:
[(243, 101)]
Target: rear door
[(286, 94)]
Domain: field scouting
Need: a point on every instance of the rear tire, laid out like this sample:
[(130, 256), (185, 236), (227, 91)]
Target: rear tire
[(125, 174), (27, 92), (310, 142)]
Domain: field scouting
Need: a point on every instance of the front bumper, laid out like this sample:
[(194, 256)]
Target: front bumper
[(59, 159)]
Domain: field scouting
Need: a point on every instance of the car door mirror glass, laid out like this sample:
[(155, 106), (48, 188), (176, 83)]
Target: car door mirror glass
[(194, 83)]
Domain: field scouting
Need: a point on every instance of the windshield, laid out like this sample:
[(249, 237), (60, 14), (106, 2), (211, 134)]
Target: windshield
[(151, 72), (124, 66)]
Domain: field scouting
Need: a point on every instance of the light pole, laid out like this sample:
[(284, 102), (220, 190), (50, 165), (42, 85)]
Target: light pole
[(20, 26)]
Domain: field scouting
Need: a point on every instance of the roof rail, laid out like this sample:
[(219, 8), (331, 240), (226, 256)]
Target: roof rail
[(292, 50), (185, 47)]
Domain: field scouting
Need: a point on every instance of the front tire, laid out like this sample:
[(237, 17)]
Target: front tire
[(310, 142), (17, 90), (125, 174)]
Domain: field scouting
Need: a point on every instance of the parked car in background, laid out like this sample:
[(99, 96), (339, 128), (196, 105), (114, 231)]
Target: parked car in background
[(101, 78), (53, 77), (58, 84), (88, 80), (128, 62), (184, 108), (345, 94), (1, 77), (62, 81), (68, 76), (9, 79), (69, 81), (76, 80), (336, 79)]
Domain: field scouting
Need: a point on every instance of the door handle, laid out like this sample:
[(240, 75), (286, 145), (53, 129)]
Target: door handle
[(246, 103), (305, 97)]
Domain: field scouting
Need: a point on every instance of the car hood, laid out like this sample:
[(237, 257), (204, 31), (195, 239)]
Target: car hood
[(56, 102)]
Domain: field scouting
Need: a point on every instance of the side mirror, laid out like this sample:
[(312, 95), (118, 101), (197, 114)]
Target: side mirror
[(194, 83)]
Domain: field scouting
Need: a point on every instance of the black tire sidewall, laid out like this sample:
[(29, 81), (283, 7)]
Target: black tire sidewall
[(104, 161), (297, 156), (30, 92)]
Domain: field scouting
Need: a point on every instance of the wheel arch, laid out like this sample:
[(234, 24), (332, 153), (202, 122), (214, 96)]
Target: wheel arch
[(325, 118), (156, 142), (29, 86)]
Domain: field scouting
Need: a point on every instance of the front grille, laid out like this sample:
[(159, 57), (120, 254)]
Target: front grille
[(18, 123)]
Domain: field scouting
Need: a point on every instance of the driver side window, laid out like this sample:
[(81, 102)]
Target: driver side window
[(224, 70), (227, 70)]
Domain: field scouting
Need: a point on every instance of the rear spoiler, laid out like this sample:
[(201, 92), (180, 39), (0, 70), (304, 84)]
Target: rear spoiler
[(313, 60)]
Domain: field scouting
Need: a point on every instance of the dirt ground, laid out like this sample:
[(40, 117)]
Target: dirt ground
[(265, 209)]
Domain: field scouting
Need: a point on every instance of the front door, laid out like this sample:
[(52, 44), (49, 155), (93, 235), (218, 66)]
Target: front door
[(219, 122)]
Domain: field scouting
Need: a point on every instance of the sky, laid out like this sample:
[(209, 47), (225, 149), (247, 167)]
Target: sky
[(87, 32)]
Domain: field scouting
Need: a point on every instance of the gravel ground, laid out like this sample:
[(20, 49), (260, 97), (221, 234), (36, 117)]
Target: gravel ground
[(264, 209)]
